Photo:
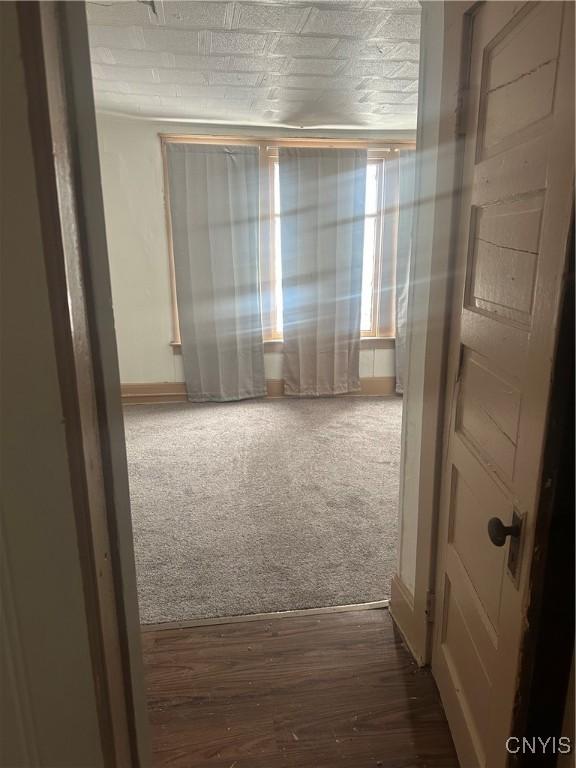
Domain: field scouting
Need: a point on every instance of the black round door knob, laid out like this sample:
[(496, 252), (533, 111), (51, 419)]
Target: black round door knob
[(498, 532)]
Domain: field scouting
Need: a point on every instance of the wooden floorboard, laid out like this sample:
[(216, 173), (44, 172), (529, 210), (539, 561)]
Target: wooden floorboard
[(306, 692)]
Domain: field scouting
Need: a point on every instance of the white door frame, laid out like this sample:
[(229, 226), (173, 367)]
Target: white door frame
[(55, 51), (438, 176), (104, 350)]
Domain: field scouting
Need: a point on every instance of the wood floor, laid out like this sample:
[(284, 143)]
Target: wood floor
[(313, 691)]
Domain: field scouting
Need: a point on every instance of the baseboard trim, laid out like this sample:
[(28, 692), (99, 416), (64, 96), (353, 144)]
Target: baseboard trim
[(275, 387), (175, 391), (378, 385), (185, 624), (160, 392)]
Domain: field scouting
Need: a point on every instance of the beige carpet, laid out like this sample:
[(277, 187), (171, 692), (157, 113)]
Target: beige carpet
[(263, 505)]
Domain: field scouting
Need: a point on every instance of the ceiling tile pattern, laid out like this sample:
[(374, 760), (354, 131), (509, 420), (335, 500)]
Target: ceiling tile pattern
[(343, 63)]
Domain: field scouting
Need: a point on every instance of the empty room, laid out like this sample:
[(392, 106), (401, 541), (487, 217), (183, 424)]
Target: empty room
[(258, 169)]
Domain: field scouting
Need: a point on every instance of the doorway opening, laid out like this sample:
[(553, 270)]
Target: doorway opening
[(258, 170)]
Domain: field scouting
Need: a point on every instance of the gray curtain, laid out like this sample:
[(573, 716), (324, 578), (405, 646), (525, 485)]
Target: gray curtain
[(406, 165), (322, 200), (214, 207)]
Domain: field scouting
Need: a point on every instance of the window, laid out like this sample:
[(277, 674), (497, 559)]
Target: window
[(377, 305), (375, 309), (372, 250), (274, 255)]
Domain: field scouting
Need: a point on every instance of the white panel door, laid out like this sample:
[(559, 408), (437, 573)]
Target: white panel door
[(513, 225)]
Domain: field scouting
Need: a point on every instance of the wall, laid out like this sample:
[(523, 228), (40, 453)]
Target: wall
[(47, 700), (132, 179)]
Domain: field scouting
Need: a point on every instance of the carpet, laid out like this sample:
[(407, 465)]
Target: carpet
[(263, 505)]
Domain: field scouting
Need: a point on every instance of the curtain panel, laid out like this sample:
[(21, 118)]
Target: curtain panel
[(214, 205), (322, 209), (405, 213)]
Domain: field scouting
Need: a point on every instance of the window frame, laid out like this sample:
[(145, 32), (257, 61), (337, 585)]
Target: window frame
[(382, 299)]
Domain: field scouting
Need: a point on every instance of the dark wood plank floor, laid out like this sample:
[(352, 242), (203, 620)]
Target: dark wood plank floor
[(337, 689)]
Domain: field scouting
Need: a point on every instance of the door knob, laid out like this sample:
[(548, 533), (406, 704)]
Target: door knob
[(498, 532)]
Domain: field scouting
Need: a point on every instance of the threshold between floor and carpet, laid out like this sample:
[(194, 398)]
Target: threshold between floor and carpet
[(263, 506)]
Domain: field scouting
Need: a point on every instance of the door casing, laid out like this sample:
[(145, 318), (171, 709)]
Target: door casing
[(438, 179), (55, 54), (411, 609)]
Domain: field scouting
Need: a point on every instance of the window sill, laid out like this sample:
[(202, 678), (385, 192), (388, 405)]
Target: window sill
[(377, 342), (366, 342), (276, 345)]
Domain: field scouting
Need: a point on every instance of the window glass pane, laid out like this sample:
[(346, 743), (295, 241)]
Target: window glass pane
[(372, 188), (368, 273), (277, 252), (369, 260)]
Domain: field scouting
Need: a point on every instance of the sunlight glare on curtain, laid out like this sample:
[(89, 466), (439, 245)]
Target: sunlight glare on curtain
[(369, 255), (323, 195)]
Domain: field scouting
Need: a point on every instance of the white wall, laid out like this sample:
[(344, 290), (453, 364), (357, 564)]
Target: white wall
[(131, 166), (132, 179)]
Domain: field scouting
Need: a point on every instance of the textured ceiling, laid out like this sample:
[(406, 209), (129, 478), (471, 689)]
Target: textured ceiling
[(330, 64)]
